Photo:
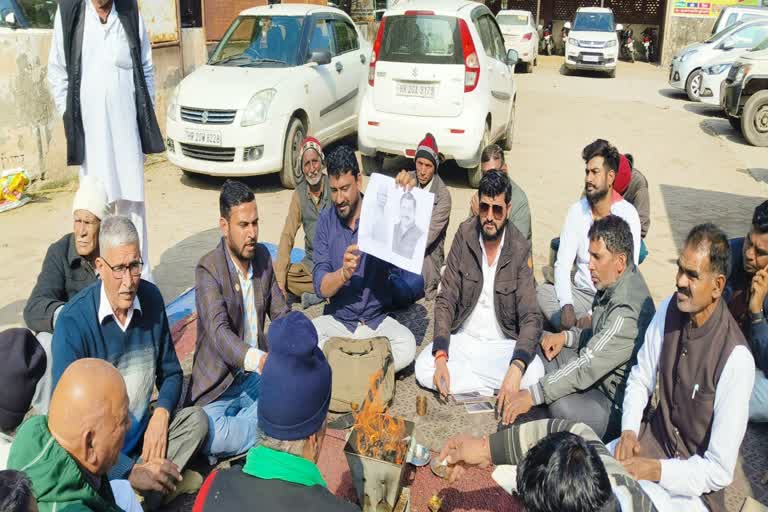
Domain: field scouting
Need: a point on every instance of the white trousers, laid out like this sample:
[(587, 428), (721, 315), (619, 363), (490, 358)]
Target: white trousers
[(662, 500), (136, 211), (401, 339), (476, 365)]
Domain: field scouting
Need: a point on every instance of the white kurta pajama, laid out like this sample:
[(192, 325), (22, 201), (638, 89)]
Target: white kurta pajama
[(112, 143), (479, 353)]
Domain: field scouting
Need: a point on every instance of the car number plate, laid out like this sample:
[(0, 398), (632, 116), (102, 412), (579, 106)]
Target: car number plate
[(591, 58), (417, 90), (203, 137)]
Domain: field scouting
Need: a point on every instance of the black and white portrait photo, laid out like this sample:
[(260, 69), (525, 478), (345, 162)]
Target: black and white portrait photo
[(406, 234)]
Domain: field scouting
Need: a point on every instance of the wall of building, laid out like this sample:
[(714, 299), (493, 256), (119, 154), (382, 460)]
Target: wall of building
[(194, 48), (682, 31)]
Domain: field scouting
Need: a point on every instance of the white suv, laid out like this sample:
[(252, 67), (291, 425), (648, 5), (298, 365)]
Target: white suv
[(437, 66), (592, 42), (279, 73)]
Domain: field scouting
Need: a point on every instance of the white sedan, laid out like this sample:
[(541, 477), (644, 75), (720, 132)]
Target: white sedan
[(279, 73), (520, 34)]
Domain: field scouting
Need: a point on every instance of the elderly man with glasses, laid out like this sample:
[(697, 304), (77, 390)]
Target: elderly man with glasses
[(121, 319), (487, 321)]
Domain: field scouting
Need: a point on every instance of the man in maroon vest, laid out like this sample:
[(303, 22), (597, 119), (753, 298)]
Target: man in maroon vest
[(684, 449)]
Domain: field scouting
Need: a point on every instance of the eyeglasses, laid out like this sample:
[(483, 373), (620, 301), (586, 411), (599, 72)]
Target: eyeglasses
[(498, 210), (118, 271)]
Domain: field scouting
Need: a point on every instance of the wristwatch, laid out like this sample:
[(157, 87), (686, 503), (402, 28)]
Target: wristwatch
[(756, 318)]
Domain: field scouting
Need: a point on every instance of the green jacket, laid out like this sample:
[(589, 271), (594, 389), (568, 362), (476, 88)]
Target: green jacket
[(57, 480)]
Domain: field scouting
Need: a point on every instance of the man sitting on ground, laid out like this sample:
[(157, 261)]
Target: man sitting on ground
[(633, 187), (567, 301), (281, 473), (312, 196), (491, 159), (696, 361), (67, 454), (589, 364), (487, 323), (356, 284), (747, 296), (68, 267), (121, 319), (235, 288), (427, 162), (561, 465)]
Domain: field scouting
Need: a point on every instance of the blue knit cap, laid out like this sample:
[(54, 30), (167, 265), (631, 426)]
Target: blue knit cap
[(295, 382)]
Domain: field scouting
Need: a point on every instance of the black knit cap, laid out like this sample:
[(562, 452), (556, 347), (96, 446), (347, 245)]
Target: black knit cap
[(22, 364)]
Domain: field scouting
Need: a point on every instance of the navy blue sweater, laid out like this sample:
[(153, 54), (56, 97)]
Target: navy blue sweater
[(143, 354)]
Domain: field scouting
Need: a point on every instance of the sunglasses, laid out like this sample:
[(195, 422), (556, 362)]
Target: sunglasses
[(498, 210)]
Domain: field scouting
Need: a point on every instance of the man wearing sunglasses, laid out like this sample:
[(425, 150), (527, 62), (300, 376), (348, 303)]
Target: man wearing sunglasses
[(487, 321), (121, 319)]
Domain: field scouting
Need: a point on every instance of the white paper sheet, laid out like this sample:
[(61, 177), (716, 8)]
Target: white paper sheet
[(394, 224)]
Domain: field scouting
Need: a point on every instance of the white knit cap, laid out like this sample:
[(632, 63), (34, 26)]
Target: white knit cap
[(91, 196)]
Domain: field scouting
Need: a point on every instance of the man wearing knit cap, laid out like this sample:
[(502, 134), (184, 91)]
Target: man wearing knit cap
[(68, 267), (633, 187), (312, 196), (281, 473), (427, 161)]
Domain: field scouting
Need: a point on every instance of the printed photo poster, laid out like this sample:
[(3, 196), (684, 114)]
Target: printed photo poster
[(394, 224)]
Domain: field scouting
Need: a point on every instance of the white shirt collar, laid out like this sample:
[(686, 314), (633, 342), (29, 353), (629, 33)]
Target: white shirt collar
[(240, 275), (105, 309), (428, 186), (501, 244), (110, 17)]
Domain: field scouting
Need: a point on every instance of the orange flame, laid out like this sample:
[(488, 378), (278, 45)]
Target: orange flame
[(379, 435)]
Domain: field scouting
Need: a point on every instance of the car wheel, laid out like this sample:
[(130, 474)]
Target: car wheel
[(291, 174), (754, 119), (475, 173), (509, 136), (535, 61), (529, 67), (612, 73), (693, 85), (371, 164), (735, 123)]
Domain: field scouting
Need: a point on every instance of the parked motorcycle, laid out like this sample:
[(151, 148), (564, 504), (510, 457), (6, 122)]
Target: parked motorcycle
[(650, 38), (627, 50), (564, 34), (547, 41)]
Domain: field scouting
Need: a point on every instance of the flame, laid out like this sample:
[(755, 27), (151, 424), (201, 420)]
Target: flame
[(379, 435)]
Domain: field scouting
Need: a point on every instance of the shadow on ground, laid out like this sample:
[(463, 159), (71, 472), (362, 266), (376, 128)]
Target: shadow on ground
[(583, 73), (176, 270), (721, 127), (704, 109), (687, 207), (674, 94)]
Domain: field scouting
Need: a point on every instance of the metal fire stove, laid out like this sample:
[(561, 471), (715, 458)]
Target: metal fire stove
[(378, 482)]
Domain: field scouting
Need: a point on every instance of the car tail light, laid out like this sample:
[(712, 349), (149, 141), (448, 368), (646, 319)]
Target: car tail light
[(410, 152), (457, 131), (528, 36), (471, 60), (419, 13), (375, 53)]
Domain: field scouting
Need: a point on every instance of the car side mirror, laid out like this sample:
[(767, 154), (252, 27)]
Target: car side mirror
[(512, 57), (320, 57), (9, 18), (619, 27), (727, 45)]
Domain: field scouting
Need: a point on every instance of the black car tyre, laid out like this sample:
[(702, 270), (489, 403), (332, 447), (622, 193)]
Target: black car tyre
[(291, 175), (754, 119), (371, 164), (475, 173), (693, 85)]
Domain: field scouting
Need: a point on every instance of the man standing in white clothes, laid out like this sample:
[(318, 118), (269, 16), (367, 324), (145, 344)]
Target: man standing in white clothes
[(567, 301), (101, 78)]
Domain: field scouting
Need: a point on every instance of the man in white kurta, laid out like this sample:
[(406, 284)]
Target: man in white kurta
[(112, 143)]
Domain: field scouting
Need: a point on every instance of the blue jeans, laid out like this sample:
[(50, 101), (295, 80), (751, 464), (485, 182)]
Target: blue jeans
[(232, 418), (406, 288)]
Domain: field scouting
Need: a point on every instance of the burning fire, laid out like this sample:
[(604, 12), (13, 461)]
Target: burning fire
[(379, 435)]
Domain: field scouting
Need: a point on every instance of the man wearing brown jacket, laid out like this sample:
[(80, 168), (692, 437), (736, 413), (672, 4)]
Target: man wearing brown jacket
[(235, 289), (487, 321)]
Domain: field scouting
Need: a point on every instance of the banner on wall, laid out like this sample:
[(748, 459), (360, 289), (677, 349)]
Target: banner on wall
[(708, 9)]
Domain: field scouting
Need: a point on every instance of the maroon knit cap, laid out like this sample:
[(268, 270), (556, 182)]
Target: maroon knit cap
[(427, 149)]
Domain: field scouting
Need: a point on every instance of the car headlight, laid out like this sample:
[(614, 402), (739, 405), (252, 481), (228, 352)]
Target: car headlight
[(717, 69), (173, 105), (611, 43), (742, 73), (258, 107), (572, 41), (685, 56)]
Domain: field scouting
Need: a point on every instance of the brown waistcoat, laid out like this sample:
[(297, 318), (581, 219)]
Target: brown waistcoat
[(690, 365)]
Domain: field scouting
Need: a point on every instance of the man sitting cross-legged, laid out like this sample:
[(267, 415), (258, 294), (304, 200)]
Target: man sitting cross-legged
[(121, 319), (235, 290), (589, 363), (487, 322), (356, 284)]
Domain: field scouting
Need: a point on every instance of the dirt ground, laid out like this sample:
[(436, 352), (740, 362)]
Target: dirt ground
[(698, 168)]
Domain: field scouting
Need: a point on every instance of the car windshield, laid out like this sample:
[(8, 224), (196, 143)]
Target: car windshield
[(762, 45), (422, 39), (260, 41), (512, 19), (723, 32), (593, 22)]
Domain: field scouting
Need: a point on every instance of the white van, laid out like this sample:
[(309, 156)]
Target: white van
[(732, 15), (593, 43)]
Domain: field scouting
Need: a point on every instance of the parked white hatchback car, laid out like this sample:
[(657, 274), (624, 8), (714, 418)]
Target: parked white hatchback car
[(279, 73), (438, 66), (592, 42), (685, 71), (520, 34)]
